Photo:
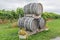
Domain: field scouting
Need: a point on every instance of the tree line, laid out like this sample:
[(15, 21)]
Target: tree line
[(11, 14), (15, 14)]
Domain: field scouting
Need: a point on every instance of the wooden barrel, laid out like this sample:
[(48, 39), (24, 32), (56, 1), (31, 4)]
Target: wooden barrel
[(28, 23), (42, 23), (33, 8), (21, 22), (31, 24)]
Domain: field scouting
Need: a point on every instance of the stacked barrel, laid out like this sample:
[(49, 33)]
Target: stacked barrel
[(32, 19)]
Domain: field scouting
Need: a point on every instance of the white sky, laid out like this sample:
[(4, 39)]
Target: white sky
[(48, 5)]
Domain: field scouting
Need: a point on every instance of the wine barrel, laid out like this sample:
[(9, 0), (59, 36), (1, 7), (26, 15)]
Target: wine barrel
[(21, 22), (28, 23), (32, 24), (33, 8), (42, 23)]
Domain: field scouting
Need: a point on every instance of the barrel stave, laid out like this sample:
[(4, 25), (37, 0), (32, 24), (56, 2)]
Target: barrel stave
[(33, 8)]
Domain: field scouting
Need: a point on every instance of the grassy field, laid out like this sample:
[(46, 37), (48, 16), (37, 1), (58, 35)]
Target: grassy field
[(8, 33)]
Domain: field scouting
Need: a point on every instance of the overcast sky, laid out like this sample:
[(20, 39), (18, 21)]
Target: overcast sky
[(49, 5)]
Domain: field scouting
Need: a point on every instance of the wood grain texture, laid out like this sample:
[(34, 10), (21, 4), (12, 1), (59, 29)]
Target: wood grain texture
[(33, 8), (28, 23)]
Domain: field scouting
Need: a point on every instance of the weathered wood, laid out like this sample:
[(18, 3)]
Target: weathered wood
[(42, 23), (28, 15), (33, 8), (28, 23), (31, 24), (21, 22)]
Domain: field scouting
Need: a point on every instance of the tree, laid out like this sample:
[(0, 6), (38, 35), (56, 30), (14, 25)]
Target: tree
[(20, 12)]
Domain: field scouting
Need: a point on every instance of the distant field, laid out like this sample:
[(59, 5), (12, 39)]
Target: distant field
[(8, 33)]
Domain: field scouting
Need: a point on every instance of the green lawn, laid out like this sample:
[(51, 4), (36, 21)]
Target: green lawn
[(8, 33)]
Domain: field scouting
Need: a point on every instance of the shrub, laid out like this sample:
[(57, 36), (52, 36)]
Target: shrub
[(50, 15)]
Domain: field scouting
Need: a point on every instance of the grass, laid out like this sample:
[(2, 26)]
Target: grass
[(8, 33)]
